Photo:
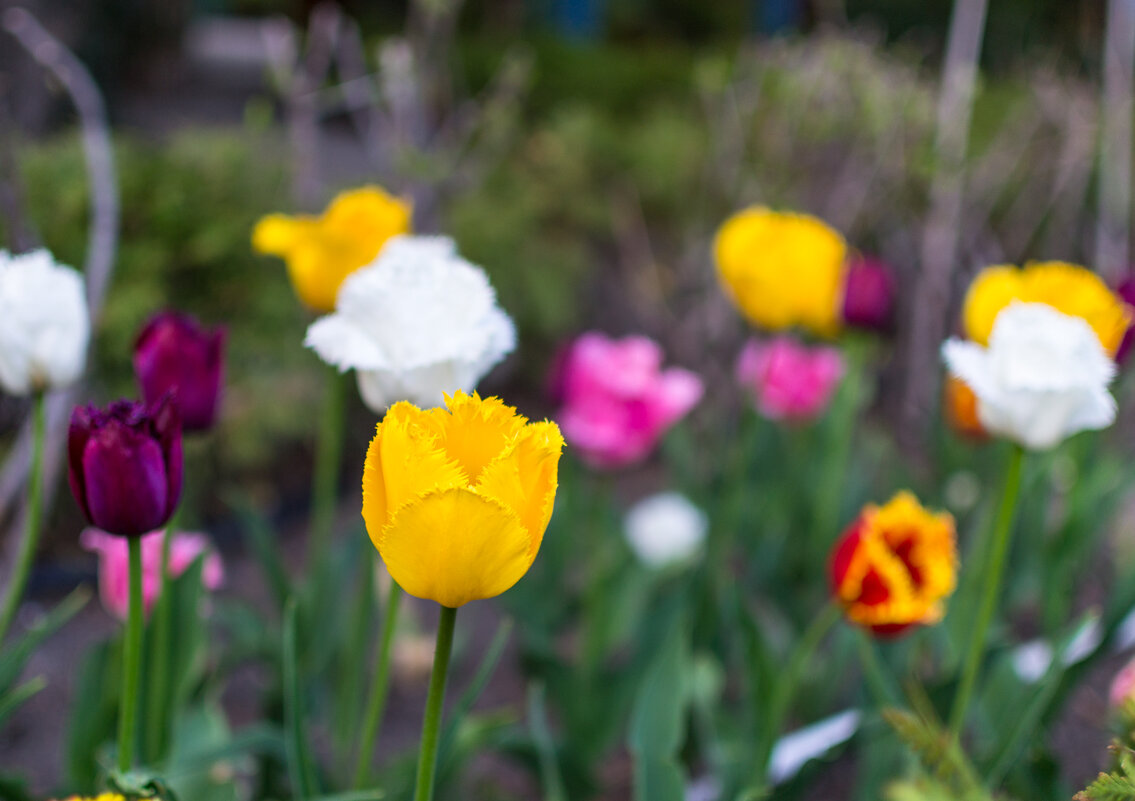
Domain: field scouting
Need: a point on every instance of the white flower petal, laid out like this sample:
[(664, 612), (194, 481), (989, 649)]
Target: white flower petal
[(1042, 379), (417, 323), (44, 323), (665, 529), (795, 750)]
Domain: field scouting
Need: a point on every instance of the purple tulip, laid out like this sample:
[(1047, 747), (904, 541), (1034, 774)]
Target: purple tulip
[(868, 295), (125, 464), (174, 353), (1126, 291)]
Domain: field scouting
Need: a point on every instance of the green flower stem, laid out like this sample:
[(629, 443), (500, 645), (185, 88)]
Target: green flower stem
[(839, 445), (131, 657), (157, 706), (376, 703), (26, 555), (427, 754), (328, 453), (879, 682), (999, 549), (786, 687)]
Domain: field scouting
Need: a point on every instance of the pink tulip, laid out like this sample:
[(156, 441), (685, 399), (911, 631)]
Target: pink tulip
[(114, 566), (1123, 686), (789, 380), (618, 401)]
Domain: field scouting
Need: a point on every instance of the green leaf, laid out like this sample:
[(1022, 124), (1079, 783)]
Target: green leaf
[(300, 770), (13, 699), (550, 776), (658, 721), (658, 779), (468, 698), (16, 656), (264, 545), (1119, 785), (659, 715)]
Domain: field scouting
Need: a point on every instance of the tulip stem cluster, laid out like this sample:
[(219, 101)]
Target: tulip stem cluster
[(376, 703), (22, 569), (131, 661), (1002, 531), (427, 754)]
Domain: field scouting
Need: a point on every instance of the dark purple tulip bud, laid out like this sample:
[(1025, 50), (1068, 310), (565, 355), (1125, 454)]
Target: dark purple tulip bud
[(125, 464), (1126, 291), (868, 295), (175, 354)]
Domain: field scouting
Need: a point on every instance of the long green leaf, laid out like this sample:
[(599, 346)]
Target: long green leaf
[(300, 770), (550, 777), (13, 659), (11, 701)]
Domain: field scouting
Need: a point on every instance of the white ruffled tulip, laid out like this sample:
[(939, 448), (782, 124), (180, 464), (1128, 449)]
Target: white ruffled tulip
[(417, 323), (665, 529), (1042, 379), (44, 323)]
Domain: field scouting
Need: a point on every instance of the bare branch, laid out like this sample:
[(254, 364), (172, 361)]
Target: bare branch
[(62, 64)]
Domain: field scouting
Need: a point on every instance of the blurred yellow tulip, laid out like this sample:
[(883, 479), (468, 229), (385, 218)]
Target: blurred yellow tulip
[(782, 269), (322, 251), (456, 501), (1068, 288)]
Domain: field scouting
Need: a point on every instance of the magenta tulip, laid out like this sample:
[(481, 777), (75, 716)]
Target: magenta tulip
[(175, 354), (868, 295), (618, 401), (789, 381), (1126, 290), (126, 464)]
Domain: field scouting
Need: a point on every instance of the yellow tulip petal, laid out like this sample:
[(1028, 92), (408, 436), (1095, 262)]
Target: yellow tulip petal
[(782, 269), (404, 461), (524, 478), (321, 252), (455, 546), (277, 234), (375, 508), (1068, 288), (476, 431), (370, 212)]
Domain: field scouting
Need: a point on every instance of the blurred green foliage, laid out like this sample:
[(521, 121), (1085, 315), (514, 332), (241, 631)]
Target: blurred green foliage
[(188, 205)]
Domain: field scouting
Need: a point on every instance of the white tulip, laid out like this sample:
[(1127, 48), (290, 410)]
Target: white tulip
[(665, 529), (44, 323), (418, 322), (1042, 379)]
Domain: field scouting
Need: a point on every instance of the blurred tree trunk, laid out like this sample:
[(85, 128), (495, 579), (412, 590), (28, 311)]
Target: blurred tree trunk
[(1112, 255), (927, 315)]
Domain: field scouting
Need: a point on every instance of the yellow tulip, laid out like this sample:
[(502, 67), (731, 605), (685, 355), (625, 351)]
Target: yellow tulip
[(1068, 288), (456, 501), (782, 269), (322, 251)]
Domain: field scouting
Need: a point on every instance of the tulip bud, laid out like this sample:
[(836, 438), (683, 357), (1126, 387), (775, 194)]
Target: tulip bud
[(175, 354), (868, 295), (126, 464)]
